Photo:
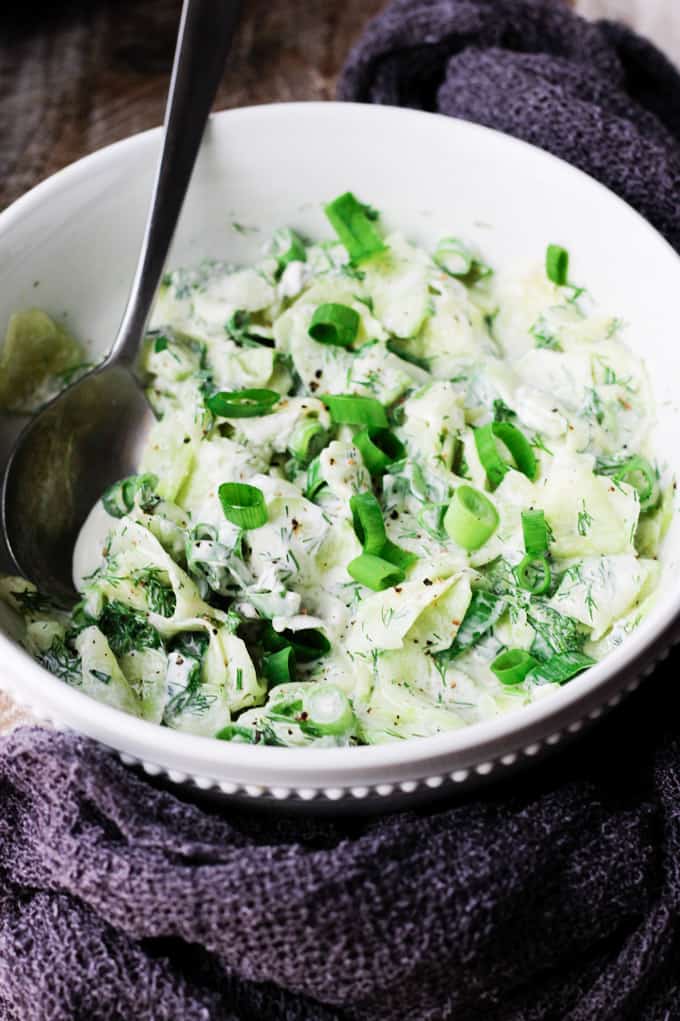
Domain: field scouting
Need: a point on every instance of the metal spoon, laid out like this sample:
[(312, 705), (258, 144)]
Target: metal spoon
[(91, 435)]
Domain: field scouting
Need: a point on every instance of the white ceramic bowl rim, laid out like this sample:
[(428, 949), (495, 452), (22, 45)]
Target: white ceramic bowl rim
[(318, 765)]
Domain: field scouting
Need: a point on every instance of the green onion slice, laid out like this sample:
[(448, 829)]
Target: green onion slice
[(557, 264), (308, 644), (401, 558), (242, 504), (351, 220), (492, 462), (239, 735), (315, 481), (397, 348), (287, 246), (238, 326), (273, 640), (535, 531), (519, 446), (431, 518), (329, 711), (119, 499), (516, 442), (561, 668), (374, 572), (513, 665), (349, 409), (279, 667), (242, 403), (484, 611), (379, 448), (333, 324), (639, 473), (471, 518), (367, 518), (454, 257), (636, 471), (307, 439), (204, 532), (534, 575)]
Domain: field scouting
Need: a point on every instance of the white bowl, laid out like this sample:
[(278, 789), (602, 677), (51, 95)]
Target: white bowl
[(69, 246)]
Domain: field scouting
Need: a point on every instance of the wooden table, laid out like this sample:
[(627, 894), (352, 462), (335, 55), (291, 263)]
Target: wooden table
[(83, 73)]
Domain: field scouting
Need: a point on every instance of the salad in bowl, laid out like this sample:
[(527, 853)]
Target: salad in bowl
[(391, 492)]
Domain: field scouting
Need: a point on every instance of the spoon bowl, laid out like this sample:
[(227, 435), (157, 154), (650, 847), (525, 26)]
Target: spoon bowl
[(80, 443)]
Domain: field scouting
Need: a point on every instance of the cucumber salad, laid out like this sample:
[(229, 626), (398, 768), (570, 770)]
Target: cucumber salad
[(390, 492)]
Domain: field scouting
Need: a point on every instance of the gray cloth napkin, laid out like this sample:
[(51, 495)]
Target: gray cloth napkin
[(596, 95), (553, 897)]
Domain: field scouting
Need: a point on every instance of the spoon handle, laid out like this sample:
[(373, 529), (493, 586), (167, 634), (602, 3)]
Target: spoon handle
[(205, 33)]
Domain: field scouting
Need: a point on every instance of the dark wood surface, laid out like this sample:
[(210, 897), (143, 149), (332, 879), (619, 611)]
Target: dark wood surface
[(78, 74)]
